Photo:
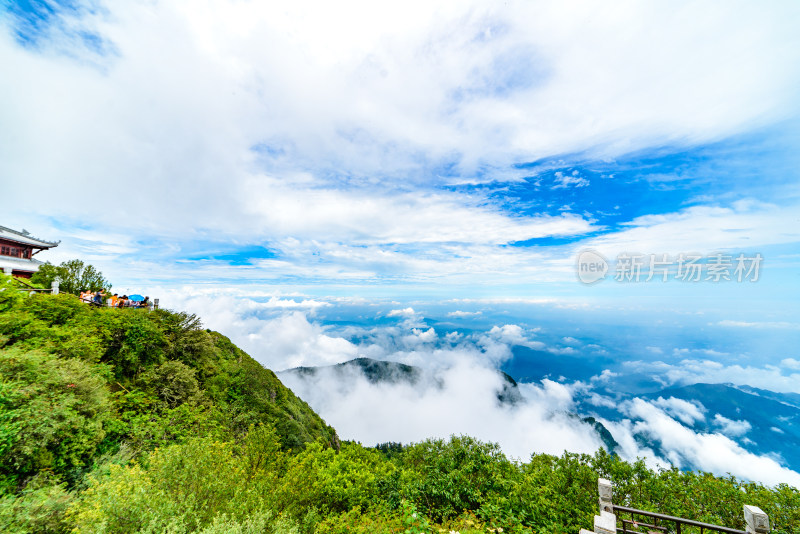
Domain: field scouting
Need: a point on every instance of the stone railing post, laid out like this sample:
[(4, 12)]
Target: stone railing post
[(606, 522), (54, 287), (606, 495), (755, 518)]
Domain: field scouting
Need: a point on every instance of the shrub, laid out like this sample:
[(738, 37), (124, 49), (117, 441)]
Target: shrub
[(332, 481), (174, 383), (448, 478), (187, 487), (40, 507), (51, 413)]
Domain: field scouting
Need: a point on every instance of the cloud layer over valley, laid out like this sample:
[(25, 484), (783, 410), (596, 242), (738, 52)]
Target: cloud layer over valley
[(459, 391)]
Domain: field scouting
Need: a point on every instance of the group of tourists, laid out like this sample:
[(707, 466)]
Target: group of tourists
[(93, 297), (115, 301), (96, 298)]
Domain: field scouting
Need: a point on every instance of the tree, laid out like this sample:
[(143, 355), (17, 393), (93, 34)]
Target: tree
[(74, 276)]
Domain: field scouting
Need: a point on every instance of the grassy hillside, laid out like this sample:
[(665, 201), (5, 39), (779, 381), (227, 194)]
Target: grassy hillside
[(115, 421)]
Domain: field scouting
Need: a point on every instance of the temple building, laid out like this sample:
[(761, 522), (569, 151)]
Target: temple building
[(17, 251)]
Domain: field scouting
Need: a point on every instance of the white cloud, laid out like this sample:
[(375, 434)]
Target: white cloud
[(791, 363), (701, 229), (272, 332), (563, 181), (513, 334), (602, 401), (464, 402), (605, 376), (365, 217), (405, 312), (687, 412), (732, 428), (453, 337), (462, 314), (425, 336), (711, 452)]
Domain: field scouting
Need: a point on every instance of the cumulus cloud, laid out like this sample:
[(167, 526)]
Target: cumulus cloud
[(607, 375), (683, 447), (685, 411), (405, 312), (418, 335), (276, 335), (513, 334), (463, 401), (730, 427)]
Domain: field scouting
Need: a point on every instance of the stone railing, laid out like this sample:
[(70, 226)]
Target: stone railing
[(756, 520), (30, 290)]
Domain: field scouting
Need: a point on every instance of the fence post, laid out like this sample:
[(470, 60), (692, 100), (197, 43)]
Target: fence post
[(755, 518), (606, 522), (606, 495)]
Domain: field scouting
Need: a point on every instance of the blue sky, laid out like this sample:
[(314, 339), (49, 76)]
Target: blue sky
[(326, 180), (419, 152)]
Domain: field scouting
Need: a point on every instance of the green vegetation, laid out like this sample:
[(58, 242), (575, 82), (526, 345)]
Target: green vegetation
[(123, 420), (74, 277)]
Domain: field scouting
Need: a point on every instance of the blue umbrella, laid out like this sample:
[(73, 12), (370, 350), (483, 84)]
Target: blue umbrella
[(135, 298)]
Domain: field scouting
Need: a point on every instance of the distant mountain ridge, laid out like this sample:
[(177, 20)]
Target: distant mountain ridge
[(792, 399), (374, 371), (385, 371)]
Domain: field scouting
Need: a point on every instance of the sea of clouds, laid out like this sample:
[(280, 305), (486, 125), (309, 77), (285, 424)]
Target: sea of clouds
[(285, 332)]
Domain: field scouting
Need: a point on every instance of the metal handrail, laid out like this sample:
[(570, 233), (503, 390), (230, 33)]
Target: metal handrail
[(677, 520)]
